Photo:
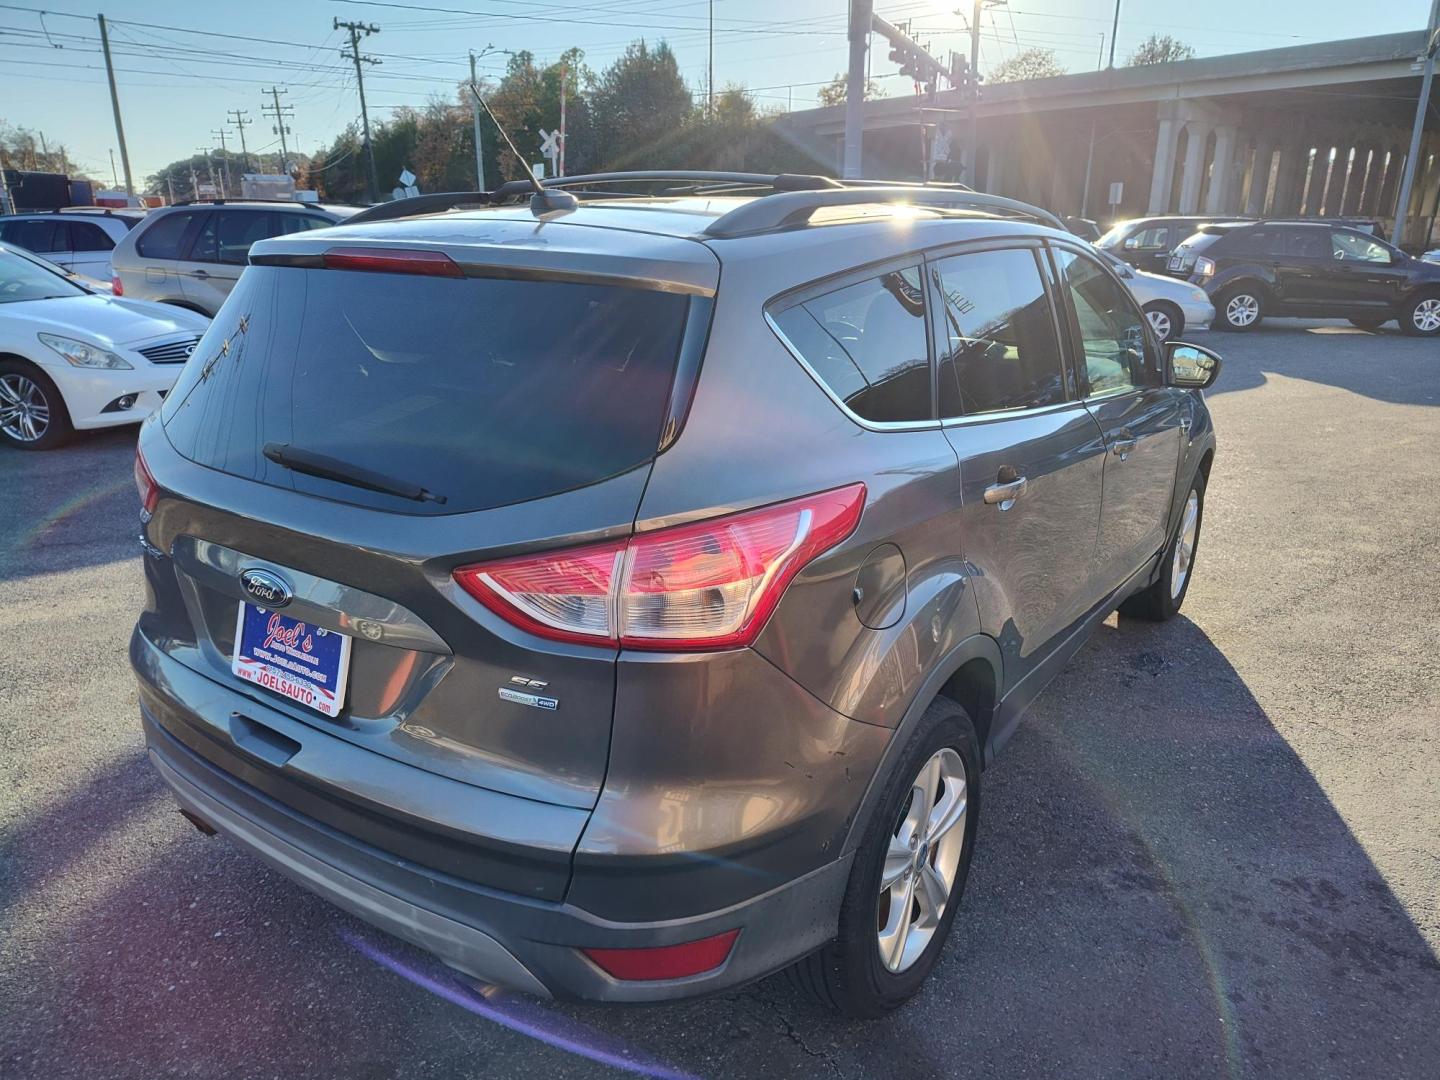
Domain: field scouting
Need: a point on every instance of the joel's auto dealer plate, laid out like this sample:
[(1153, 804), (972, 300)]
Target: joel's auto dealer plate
[(301, 661)]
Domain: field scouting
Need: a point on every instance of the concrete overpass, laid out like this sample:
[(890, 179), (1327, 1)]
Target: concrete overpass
[(1309, 129)]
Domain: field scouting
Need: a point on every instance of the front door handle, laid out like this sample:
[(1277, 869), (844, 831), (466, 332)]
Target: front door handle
[(1005, 494), (1122, 447), (201, 274)]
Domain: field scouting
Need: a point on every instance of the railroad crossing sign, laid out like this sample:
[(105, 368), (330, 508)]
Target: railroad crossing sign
[(407, 188), (550, 149)]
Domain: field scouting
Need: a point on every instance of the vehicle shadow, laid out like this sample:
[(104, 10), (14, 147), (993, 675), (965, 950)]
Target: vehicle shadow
[(1382, 364), (61, 506), (1162, 889)]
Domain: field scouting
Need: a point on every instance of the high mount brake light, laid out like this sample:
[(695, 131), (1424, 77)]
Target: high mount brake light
[(392, 261), (702, 586), (145, 484)]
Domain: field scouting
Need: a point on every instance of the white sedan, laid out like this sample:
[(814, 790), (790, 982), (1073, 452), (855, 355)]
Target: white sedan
[(72, 358), (1171, 305)]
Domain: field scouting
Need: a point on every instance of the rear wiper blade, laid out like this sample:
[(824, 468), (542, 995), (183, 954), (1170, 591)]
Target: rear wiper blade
[(328, 468)]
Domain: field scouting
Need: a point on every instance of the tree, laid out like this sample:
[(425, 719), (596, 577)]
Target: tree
[(1030, 64), (639, 103), (1160, 49), (21, 148), (833, 93)]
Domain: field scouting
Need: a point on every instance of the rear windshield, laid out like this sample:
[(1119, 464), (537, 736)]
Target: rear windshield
[(483, 392)]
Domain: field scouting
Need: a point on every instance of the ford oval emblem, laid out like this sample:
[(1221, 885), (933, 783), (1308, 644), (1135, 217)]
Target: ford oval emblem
[(266, 589)]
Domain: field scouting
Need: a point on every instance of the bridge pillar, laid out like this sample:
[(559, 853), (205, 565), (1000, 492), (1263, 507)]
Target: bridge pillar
[(1290, 177), (1163, 175), (1195, 147), (1260, 175), (1222, 170)]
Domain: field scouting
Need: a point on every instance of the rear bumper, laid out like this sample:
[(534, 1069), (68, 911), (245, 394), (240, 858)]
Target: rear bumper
[(506, 939)]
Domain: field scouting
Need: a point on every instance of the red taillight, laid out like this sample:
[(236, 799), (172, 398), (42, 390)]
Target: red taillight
[(115, 287), (145, 483), (708, 585), (666, 962), (393, 261)]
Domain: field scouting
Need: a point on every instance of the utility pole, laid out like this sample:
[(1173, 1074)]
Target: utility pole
[(280, 114), (475, 119), (240, 122), (114, 180), (115, 104), (862, 12), (1114, 32), (564, 81), (1407, 183), (710, 97), (972, 141), (224, 159), (356, 29)]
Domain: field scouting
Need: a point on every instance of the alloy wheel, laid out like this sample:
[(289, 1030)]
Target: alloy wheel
[(1426, 316), (24, 409), (1160, 323), (1185, 544), (921, 861), (1242, 310)]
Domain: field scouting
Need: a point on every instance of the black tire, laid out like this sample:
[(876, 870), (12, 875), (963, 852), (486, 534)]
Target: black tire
[(1160, 601), (1173, 315), (1368, 324), (58, 430), (1426, 305), (1222, 308), (847, 976)]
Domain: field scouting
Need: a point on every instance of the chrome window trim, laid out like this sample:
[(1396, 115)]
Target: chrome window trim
[(1011, 414)]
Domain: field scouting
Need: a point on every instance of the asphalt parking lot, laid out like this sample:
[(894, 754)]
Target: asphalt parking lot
[(1212, 850)]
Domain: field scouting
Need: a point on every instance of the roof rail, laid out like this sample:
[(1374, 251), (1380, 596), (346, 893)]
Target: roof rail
[(220, 200), (796, 207), (590, 182)]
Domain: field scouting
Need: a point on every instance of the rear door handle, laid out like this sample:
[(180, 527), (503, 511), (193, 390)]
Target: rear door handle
[(201, 274), (1004, 495)]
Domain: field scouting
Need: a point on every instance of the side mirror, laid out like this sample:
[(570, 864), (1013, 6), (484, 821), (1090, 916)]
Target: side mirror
[(1131, 243), (1190, 366)]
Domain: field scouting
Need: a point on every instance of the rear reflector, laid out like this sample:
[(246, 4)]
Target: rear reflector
[(392, 261), (666, 962), (707, 585), (116, 288), (145, 484)]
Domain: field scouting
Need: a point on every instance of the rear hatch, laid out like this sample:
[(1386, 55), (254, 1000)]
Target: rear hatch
[(1182, 259), (465, 402)]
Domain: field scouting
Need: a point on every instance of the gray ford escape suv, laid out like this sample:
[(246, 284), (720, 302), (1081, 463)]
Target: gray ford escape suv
[(620, 596)]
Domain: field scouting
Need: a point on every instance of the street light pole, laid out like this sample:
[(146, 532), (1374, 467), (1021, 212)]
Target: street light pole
[(1407, 184), (861, 14), (115, 105), (1114, 32)]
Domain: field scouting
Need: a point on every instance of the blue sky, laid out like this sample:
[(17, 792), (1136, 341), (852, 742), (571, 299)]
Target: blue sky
[(177, 85)]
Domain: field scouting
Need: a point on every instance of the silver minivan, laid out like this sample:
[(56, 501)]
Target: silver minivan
[(191, 254)]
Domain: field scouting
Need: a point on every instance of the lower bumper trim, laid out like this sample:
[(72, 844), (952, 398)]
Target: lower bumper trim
[(462, 947)]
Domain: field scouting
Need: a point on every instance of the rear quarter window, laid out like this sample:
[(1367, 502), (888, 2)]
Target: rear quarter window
[(163, 237)]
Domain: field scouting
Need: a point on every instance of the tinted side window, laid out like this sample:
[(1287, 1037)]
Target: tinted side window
[(997, 349), (283, 224), (36, 236), (866, 342), (227, 235), (1112, 332), (1250, 242), (87, 236), (162, 239), (1155, 237), (1301, 244)]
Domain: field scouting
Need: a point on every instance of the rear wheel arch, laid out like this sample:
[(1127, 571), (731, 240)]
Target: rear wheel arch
[(972, 675)]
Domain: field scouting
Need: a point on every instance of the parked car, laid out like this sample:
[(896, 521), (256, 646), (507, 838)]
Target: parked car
[(1146, 243), (79, 239), (1082, 227), (1431, 256), (191, 254), (74, 358), (602, 596), (1171, 306), (1312, 270)]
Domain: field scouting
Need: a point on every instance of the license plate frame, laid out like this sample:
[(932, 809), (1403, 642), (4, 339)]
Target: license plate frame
[(302, 662)]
